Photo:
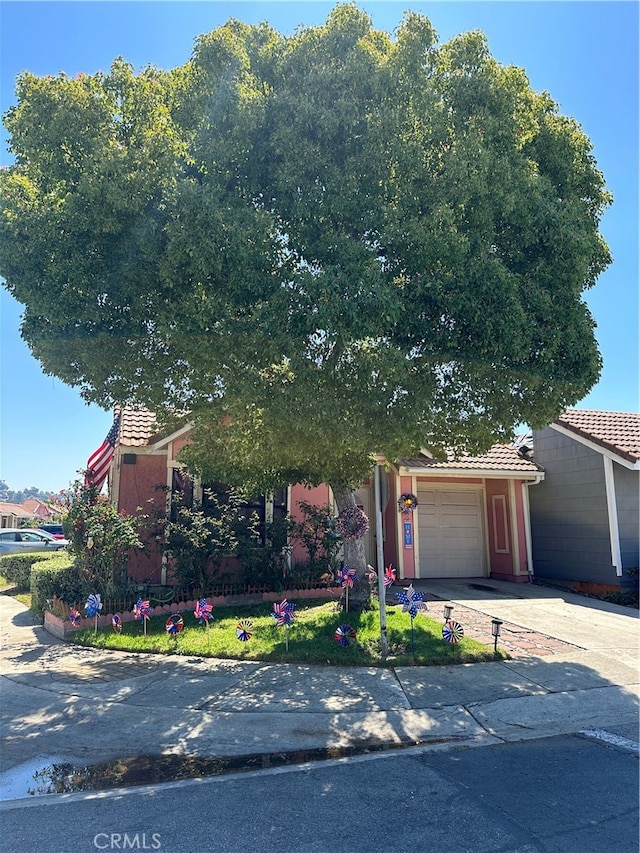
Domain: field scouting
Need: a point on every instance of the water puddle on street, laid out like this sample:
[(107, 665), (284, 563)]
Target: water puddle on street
[(57, 775)]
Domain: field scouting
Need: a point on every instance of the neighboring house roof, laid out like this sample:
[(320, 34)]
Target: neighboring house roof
[(36, 507), (617, 432), (16, 510), (501, 458)]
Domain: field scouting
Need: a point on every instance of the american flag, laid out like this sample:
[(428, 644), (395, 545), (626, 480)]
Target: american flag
[(100, 460)]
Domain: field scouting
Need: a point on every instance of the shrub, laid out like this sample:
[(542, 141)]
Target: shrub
[(316, 532), (266, 564), (99, 537), (17, 568), (57, 577)]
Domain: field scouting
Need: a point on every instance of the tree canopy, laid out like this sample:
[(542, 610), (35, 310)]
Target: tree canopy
[(321, 246)]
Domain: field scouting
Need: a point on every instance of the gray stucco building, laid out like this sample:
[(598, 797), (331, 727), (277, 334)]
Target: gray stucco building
[(585, 514)]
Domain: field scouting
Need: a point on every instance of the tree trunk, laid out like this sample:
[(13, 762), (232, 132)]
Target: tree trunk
[(354, 556)]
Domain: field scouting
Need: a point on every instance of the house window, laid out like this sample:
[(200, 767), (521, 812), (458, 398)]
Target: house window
[(268, 508), (181, 492)]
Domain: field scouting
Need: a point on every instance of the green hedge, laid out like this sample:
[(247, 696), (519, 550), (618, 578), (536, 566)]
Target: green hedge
[(58, 576), (17, 568)]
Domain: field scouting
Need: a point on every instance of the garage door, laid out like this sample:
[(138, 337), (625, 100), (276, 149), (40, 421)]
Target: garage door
[(450, 533)]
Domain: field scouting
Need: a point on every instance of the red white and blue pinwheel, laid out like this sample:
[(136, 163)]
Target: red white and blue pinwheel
[(93, 605), (141, 609), (116, 623), (452, 632), (75, 618), (284, 615), (412, 602), (174, 624), (244, 630), (389, 576), (345, 635), (283, 612), (203, 611), (346, 577)]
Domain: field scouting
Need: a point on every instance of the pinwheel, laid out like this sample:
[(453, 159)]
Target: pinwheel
[(284, 615), (345, 635), (93, 608), (75, 618), (203, 611), (389, 576), (116, 623), (142, 610), (174, 624), (452, 632), (244, 630), (346, 578), (412, 604)]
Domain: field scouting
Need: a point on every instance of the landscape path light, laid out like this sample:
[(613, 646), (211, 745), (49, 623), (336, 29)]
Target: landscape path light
[(446, 610), (495, 631)]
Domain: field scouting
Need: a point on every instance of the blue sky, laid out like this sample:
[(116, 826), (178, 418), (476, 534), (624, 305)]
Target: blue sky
[(585, 54)]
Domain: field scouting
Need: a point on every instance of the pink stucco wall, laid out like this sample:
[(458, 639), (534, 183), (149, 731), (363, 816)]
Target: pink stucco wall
[(142, 491), (407, 556), (319, 496)]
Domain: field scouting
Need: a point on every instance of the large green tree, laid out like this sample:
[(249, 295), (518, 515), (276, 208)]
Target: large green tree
[(321, 246)]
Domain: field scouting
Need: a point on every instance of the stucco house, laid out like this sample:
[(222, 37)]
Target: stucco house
[(471, 520), (585, 516)]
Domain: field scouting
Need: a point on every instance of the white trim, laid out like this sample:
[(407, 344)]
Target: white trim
[(612, 511), (471, 473), (526, 511), (515, 536), (608, 454), (162, 442)]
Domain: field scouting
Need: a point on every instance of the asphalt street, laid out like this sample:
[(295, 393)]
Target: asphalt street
[(556, 795)]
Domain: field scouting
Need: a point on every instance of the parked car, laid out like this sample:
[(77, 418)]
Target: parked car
[(54, 529), (23, 540)]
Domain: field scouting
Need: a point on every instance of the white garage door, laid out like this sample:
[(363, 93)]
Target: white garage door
[(450, 533)]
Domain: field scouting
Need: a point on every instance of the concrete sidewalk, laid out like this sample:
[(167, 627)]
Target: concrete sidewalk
[(87, 705)]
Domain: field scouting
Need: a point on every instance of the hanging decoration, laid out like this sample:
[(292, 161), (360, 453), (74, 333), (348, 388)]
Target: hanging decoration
[(244, 630), (75, 618), (284, 615), (174, 624), (352, 523), (407, 503), (142, 610), (389, 576), (345, 635), (346, 578), (116, 623), (93, 608), (452, 631), (412, 604)]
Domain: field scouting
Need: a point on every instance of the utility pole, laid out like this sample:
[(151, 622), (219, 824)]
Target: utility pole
[(384, 645)]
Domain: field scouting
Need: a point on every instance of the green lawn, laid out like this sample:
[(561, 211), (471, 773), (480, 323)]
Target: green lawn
[(310, 638)]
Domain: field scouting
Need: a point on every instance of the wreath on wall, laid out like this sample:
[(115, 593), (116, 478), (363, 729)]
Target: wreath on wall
[(407, 503), (352, 523)]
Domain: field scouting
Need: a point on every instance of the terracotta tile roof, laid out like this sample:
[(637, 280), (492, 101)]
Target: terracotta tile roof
[(618, 432), (8, 508), (501, 457), (137, 427)]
